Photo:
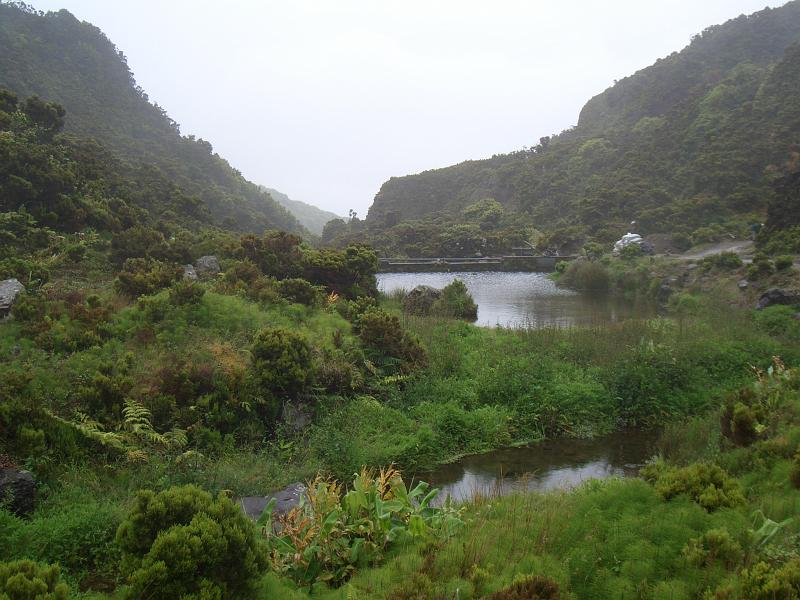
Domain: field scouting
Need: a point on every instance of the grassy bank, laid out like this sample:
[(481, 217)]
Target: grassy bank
[(191, 365), (625, 538)]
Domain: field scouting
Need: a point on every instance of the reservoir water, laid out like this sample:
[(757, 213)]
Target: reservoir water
[(548, 465), (520, 299)]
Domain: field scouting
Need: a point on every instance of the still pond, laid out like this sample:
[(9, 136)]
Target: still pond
[(521, 300)]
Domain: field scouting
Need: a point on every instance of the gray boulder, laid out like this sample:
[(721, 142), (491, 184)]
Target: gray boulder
[(207, 266), (775, 296), (10, 289), (17, 491), (189, 273), (743, 284), (297, 416), (420, 300), (285, 500)]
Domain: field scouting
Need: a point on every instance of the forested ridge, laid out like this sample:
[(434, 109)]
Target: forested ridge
[(55, 56), (311, 217), (689, 146)]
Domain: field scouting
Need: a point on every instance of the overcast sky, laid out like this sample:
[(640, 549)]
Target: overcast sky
[(326, 99)]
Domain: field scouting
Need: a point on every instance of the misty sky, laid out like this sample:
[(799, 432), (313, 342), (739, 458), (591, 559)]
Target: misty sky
[(325, 100)]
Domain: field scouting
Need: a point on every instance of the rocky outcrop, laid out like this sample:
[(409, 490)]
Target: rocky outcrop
[(207, 266), (189, 274), (10, 289), (420, 300), (285, 500), (17, 491), (775, 296)]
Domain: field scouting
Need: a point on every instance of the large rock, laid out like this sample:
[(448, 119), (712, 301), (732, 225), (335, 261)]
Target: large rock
[(285, 500), (189, 274), (17, 491), (420, 300), (775, 296), (207, 266), (9, 290), (297, 416)]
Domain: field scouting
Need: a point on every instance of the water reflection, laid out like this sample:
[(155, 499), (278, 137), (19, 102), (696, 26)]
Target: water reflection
[(553, 464), (521, 299)]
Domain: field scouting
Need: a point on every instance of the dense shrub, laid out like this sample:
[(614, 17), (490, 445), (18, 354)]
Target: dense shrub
[(778, 320), (30, 272), (704, 483), (79, 537), (27, 580), (300, 291), (138, 242), (767, 582), (725, 261), (586, 275), (784, 263), (140, 276), (381, 333), (715, 545), (186, 293), (760, 268), (281, 361), (182, 543), (529, 588), (456, 301), (741, 417)]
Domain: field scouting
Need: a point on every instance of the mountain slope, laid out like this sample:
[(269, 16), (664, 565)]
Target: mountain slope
[(311, 217), (688, 146), (59, 58)]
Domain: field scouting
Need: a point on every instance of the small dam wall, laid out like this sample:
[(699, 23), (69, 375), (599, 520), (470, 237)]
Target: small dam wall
[(525, 264)]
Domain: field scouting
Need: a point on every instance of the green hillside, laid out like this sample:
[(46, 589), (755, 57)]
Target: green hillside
[(310, 216), (64, 60), (689, 146)]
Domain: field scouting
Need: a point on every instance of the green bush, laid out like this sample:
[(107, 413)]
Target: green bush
[(30, 272), (456, 301), (27, 580), (281, 361), (586, 275), (300, 291), (767, 582), (704, 483), (741, 417), (182, 543), (79, 537), (784, 263), (186, 293), (141, 276), (381, 333), (760, 268), (778, 320), (631, 252), (715, 545), (725, 261)]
